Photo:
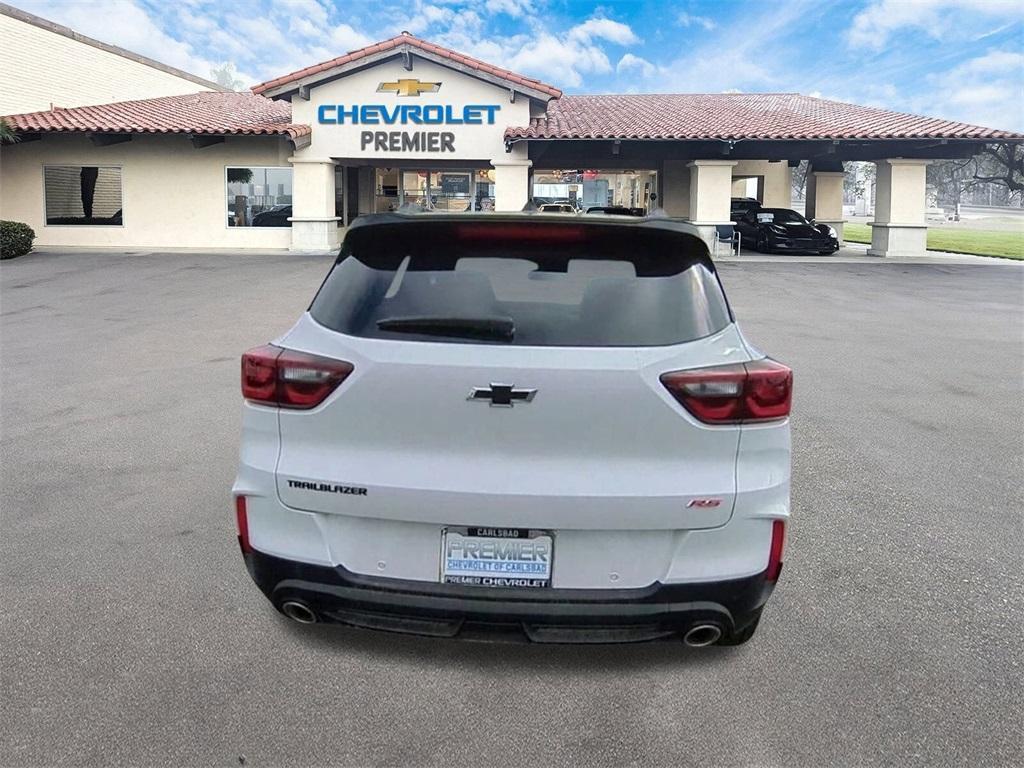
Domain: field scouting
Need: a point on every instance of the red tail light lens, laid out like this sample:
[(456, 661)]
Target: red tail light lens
[(290, 379), (242, 519), (775, 553), (733, 394)]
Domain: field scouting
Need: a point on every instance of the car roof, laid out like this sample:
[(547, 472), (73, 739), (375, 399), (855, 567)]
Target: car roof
[(663, 223)]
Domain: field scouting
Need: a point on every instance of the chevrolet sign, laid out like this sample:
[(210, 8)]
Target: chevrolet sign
[(405, 114)]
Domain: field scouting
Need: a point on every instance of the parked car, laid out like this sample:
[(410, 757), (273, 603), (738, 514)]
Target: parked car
[(780, 229), (557, 208), (273, 217), (738, 206), (504, 421), (615, 210)]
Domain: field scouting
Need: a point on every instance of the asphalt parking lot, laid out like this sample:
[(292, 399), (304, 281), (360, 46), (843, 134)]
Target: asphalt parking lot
[(131, 633)]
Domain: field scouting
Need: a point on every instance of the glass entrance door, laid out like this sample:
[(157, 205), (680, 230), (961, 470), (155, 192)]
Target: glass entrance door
[(435, 190)]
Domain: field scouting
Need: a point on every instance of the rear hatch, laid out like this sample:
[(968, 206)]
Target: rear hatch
[(507, 374)]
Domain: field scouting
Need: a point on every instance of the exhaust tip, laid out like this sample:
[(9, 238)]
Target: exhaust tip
[(701, 635), (299, 612)]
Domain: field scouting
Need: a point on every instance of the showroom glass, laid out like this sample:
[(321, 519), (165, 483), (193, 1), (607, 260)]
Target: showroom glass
[(555, 285), (83, 195), (587, 188), (448, 190), (259, 197)]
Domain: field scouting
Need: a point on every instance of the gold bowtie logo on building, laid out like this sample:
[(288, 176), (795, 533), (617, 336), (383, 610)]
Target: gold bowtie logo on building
[(409, 87)]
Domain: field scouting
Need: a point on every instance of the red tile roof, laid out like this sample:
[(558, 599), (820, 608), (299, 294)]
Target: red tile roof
[(197, 113), (763, 116), (415, 42)]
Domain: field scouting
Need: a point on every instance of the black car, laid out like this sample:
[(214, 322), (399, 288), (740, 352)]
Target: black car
[(786, 231), (615, 210), (273, 217), (738, 206)]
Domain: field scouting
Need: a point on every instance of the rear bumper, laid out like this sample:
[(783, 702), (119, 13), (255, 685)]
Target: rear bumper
[(549, 615)]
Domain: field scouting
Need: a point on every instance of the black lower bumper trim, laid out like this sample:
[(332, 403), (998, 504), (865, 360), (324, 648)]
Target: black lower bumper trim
[(541, 615)]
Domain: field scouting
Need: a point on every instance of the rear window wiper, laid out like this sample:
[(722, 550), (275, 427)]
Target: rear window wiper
[(490, 328)]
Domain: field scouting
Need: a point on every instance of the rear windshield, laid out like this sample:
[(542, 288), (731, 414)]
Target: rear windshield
[(534, 283)]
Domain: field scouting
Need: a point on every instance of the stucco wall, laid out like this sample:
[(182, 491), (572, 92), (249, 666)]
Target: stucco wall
[(775, 181), (173, 195), (42, 68)]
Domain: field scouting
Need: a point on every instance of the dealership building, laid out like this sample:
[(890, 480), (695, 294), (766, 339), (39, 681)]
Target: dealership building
[(405, 121)]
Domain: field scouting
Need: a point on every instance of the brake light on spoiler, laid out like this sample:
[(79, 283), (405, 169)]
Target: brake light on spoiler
[(289, 379), (740, 393)]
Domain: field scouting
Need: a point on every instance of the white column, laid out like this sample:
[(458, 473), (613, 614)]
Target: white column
[(675, 189), (825, 199), (512, 179), (899, 229), (710, 190), (314, 225), (778, 185)]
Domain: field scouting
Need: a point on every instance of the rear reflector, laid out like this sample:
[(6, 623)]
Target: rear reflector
[(289, 379), (242, 520), (733, 394), (775, 554)]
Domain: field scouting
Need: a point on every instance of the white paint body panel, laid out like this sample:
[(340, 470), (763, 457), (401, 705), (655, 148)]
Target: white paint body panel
[(603, 457)]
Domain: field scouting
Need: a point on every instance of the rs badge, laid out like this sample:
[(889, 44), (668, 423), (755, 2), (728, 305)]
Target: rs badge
[(704, 503)]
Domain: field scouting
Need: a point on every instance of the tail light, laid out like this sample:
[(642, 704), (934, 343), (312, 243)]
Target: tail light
[(290, 379), (775, 553), (733, 394), (242, 519)]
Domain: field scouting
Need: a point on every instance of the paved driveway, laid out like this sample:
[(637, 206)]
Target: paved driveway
[(131, 634)]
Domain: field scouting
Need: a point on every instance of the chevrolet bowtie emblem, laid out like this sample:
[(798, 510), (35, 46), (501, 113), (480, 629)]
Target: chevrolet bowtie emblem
[(408, 87), (503, 395)]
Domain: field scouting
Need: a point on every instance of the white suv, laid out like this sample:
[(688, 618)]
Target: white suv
[(548, 426)]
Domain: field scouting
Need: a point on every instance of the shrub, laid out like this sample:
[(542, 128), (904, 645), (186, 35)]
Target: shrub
[(15, 239)]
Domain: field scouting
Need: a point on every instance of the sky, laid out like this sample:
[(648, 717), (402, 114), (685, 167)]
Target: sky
[(956, 59)]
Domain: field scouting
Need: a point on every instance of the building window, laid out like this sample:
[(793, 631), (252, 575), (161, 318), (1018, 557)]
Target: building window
[(259, 197), (83, 194)]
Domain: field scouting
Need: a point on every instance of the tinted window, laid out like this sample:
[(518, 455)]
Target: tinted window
[(83, 195), (258, 197), (779, 216), (555, 284)]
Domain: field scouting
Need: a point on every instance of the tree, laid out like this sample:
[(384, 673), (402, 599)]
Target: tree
[(950, 178), (997, 165), (7, 133), (224, 76), (239, 175), (1001, 164), (857, 176), (798, 179)]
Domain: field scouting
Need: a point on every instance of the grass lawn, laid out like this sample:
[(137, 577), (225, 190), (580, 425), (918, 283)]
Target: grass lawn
[(1009, 245)]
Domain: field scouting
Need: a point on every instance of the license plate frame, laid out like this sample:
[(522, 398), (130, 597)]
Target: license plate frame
[(497, 558)]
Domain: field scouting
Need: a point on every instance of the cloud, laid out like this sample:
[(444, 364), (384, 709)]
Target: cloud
[(127, 24), (987, 90), (557, 57), (689, 20), (604, 29), (513, 8), (732, 57), (629, 64), (940, 19)]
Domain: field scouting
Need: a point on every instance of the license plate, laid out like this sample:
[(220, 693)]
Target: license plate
[(496, 557)]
